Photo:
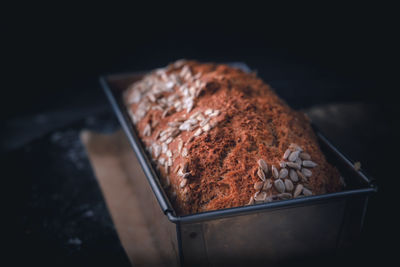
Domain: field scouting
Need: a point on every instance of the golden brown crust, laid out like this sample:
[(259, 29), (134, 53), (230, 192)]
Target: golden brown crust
[(253, 123)]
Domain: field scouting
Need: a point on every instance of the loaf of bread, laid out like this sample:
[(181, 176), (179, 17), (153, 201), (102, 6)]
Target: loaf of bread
[(220, 137)]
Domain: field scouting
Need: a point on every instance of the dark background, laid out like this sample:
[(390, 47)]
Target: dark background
[(59, 53), (341, 60)]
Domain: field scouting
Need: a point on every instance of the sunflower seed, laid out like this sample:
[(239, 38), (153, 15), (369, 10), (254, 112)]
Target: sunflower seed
[(295, 147), (189, 106), (192, 90), (198, 132), (268, 199), (293, 175), (198, 92), (165, 113), (180, 145), (185, 70), (170, 162), (293, 165), (302, 176), (286, 154), (154, 123), (169, 85), (305, 156), (165, 132), (309, 163), (164, 148), (258, 185), (184, 152), (279, 185), (168, 153), (293, 156), (267, 184), (163, 138), (158, 107), (200, 117), (307, 192), (161, 161), (213, 124), (134, 97), (188, 76), (204, 122), (175, 132), (288, 185), (263, 165), (298, 190), (215, 113), (192, 127), (195, 115), (251, 201), (133, 117), (275, 172), (184, 126), (284, 196), (283, 173), (206, 128), (261, 174), (177, 168), (282, 164), (180, 173), (171, 99), (183, 183), (260, 196), (306, 172), (208, 111), (169, 140), (152, 97), (147, 130), (197, 76), (191, 121), (157, 150), (191, 138)]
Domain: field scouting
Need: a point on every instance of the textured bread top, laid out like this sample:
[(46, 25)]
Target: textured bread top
[(221, 138)]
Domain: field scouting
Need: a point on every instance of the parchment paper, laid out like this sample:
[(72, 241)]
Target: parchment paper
[(113, 162)]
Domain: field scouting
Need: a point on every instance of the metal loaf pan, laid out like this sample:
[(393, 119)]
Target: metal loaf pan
[(270, 233)]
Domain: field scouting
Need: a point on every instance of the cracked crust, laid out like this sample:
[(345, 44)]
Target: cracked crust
[(254, 123)]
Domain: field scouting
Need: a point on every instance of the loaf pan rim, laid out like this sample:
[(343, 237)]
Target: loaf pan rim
[(167, 208)]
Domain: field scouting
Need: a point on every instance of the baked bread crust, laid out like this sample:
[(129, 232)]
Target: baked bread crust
[(206, 126)]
